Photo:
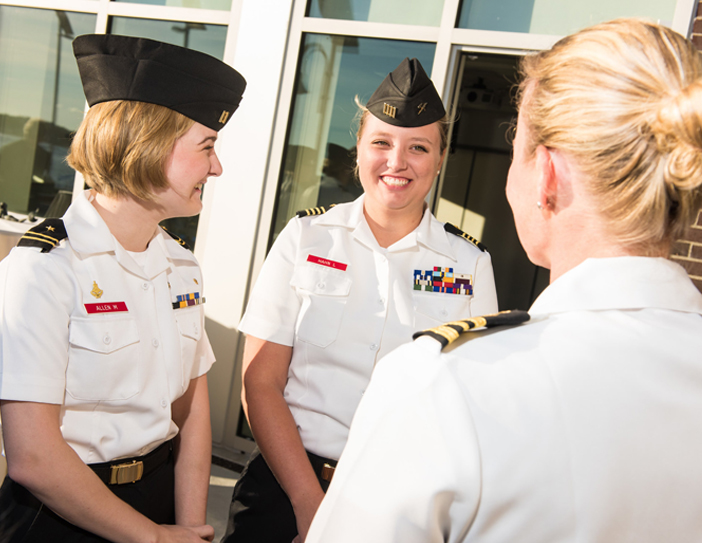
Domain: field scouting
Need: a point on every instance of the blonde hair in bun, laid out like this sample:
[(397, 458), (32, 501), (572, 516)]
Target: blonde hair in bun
[(624, 100)]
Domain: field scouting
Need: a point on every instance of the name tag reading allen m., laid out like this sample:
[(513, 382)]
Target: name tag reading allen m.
[(106, 307)]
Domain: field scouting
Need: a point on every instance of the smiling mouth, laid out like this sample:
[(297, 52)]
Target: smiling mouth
[(394, 181), (199, 186)]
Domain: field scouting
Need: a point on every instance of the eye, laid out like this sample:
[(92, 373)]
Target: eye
[(379, 142), (420, 148)]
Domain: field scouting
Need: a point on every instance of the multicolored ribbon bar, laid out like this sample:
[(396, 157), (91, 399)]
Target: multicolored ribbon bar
[(443, 280), (185, 300)]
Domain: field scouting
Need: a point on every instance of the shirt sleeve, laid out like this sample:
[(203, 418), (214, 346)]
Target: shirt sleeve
[(484, 300), (36, 304), (274, 306), (410, 471)]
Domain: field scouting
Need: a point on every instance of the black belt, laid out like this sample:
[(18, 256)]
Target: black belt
[(131, 470), (323, 467)]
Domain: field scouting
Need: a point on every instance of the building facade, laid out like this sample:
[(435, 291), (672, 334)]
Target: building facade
[(290, 145)]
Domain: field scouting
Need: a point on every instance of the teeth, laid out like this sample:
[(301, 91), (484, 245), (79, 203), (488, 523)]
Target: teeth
[(198, 186), (394, 181)]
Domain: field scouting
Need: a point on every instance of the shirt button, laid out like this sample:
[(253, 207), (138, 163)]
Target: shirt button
[(321, 285), (196, 328), (107, 339), (373, 347), (164, 403), (381, 301), (145, 286), (444, 313), (154, 342)]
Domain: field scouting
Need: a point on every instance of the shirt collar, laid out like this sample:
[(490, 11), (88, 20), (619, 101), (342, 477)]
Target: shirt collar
[(631, 282), (429, 233)]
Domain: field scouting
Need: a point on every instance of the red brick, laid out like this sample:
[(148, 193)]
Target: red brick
[(699, 9), (691, 267), (696, 252), (692, 234), (697, 41), (698, 284), (698, 222), (697, 27), (680, 248)]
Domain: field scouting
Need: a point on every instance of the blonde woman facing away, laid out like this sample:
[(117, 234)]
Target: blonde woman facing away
[(584, 423)]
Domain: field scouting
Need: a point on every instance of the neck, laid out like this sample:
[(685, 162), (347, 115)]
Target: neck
[(391, 225), (132, 222)]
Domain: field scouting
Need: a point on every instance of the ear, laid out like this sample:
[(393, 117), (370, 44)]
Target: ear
[(547, 186)]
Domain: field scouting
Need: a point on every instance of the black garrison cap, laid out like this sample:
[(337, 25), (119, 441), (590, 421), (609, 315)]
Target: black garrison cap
[(407, 97), (192, 83)]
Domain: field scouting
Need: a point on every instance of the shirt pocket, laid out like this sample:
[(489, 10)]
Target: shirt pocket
[(432, 309), (103, 359), (324, 295), (189, 321)]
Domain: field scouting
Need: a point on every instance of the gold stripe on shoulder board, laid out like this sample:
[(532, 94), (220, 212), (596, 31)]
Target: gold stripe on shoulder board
[(449, 332), (314, 211), (451, 229)]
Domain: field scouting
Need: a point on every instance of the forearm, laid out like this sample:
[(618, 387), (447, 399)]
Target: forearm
[(193, 454), (40, 460)]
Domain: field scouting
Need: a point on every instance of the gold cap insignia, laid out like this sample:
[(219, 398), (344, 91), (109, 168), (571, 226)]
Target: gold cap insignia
[(421, 107), (389, 110), (195, 281), (97, 292), (224, 116)]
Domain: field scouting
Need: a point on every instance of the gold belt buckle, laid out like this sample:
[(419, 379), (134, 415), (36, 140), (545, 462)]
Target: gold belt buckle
[(328, 472), (130, 472)]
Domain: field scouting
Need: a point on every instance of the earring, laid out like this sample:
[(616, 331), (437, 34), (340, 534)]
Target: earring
[(438, 172), (538, 204)]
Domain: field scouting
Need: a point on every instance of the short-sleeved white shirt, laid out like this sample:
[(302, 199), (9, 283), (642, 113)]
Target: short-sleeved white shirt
[(86, 327), (582, 425), (342, 302)]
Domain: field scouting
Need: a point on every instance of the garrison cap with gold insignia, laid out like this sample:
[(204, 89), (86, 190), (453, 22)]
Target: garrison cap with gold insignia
[(450, 332), (192, 83), (407, 97), (46, 235)]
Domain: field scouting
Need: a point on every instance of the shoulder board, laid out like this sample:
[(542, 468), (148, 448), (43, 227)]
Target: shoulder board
[(46, 235), (449, 332), (180, 240), (460, 233), (314, 211)]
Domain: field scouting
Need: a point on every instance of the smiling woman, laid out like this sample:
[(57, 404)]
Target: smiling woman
[(339, 290), (105, 355)]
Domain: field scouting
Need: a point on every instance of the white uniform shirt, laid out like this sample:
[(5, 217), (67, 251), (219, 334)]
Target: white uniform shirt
[(115, 373), (328, 289), (584, 424)]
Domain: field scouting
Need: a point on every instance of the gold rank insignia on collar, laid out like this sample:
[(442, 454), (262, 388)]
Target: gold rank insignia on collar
[(314, 211), (180, 240), (451, 229), (97, 291), (451, 331), (46, 235)]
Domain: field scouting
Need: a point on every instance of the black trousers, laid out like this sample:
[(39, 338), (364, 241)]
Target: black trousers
[(25, 519), (261, 511)]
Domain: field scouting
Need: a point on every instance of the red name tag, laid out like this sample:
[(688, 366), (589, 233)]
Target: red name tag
[(107, 307), (325, 262)]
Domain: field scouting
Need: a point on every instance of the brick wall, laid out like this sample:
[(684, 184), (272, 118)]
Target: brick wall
[(688, 251)]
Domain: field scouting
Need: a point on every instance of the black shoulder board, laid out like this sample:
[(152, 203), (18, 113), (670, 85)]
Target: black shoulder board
[(455, 230), (313, 211), (449, 332), (46, 235), (180, 240)]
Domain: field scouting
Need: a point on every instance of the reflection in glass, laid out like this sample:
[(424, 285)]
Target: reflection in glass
[(409, 12), (318, 160), (556, 16), (201, 4), (205, 38), (41, 103)]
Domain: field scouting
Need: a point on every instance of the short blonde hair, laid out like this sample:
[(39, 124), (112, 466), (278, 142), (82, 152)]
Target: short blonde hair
[(121, 147), (624, 100)]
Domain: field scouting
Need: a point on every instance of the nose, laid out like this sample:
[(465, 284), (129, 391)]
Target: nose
[(396, 159), (215, 165)]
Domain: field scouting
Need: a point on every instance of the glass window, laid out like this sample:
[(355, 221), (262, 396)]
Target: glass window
[(201, 37), (202, 4), (409, 12), (41, 103), (318, 160), (556, 16)]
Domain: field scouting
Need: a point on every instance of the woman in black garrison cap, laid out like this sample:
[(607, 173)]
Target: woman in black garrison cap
[(338, 291), (104, 355)]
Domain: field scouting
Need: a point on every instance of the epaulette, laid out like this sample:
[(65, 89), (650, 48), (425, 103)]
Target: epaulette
[(457, 231), (46, 235), (180, 240), (449, 332), (314, 211)]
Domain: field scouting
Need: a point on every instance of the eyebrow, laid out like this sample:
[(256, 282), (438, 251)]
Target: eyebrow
[(388, 135), (212, 138)]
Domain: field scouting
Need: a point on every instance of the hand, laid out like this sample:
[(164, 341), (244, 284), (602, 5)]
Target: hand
[(185, 534)]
